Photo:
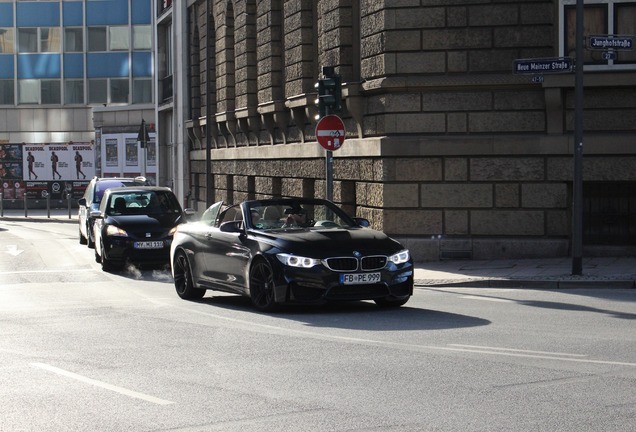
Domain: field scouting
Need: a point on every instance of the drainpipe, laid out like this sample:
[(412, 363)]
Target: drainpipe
[(208, 99)]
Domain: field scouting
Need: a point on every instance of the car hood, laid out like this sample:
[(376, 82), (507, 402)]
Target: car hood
[(145, 221), (332, 242)]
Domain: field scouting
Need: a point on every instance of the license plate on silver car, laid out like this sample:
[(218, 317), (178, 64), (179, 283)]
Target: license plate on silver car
[(149, 245), (359, 278)]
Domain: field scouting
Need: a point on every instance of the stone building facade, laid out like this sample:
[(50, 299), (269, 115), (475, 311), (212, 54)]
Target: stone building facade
[(446, 149)]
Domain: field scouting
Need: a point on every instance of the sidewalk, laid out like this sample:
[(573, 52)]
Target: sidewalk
[(547, 273)]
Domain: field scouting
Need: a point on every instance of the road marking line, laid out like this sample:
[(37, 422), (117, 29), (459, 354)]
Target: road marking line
[(517, 350), (101, 384), (473, 297)]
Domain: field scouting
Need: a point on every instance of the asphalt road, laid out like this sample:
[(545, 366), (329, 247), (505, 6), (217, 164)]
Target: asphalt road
[(83, 350)]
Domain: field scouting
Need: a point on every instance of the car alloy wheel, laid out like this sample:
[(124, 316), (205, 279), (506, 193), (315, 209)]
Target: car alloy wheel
[(183, 282), (262, 286)]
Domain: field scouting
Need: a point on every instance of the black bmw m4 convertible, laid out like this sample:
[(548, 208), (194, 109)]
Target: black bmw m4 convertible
[(289, 250)]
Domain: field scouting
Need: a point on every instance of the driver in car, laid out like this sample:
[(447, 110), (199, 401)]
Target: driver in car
[(295, 217)]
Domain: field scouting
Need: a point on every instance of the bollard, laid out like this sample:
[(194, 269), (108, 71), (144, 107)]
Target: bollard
[(26, 211), (1, 205), (48, 205), (68, 197)]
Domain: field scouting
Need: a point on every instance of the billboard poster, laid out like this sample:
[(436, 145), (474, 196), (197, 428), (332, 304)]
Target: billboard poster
[(10, 153), (8, 189), (77, 189), (41, 169), (20, 189), (132, 153), (59, 189), (34, 166), (112, 156), (151, 154), (83, 161), (37, 189)]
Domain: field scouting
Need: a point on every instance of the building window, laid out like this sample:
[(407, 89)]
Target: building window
[(50, 40), (28, 40), (50, 92), (142, 37), (119, 90), (73, 92), (39, 39), (33, 91), (28, 91), (97, 39), (142, 90), (98, 91), (73, 40), (6, 92), (7, 41), (602, 17), (119, 39)]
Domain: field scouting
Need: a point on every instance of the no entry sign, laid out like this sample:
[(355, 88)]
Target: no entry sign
[(330, 132)]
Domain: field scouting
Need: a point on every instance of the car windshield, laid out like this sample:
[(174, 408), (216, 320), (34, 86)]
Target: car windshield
[(143, 203), (297, 214)]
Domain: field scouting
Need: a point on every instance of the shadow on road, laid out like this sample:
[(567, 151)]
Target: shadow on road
[(360, 315)]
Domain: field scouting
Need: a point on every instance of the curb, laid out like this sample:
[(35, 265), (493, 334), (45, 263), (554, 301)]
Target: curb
[(39, 219), (530, 284)]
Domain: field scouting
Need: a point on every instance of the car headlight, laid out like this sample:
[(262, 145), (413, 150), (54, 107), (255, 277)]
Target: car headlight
[(172, 231), (400, 257), (297, 261), (112, 230)]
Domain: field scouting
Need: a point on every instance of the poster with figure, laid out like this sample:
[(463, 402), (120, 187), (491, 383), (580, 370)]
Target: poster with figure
[(83, 161), (59, 156), (34, 167)]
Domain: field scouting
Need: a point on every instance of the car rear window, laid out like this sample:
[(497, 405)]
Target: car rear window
[(101, 186)]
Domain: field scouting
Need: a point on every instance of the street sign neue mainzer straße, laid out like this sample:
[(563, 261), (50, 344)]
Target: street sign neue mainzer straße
[(539, 66)]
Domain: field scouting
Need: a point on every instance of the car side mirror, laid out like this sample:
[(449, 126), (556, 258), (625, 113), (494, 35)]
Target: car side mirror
[(364, 223), (232, 227), (82, 202), (96, 214)]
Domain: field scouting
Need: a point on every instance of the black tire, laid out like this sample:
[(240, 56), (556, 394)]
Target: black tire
[(262, 286), (97, 257), (108, 265), (391, 302), (82, 239), (183, 281), (89, 239)]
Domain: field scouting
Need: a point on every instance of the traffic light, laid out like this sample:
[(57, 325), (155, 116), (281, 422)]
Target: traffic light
[(329, 92)]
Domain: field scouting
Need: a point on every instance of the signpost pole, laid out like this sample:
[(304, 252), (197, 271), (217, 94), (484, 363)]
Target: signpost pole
[(577, 181)]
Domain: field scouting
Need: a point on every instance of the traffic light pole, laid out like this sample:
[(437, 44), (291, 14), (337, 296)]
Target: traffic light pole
[(329, 100)]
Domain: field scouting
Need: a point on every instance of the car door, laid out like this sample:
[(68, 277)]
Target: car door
[(226, 255), (198, 242)]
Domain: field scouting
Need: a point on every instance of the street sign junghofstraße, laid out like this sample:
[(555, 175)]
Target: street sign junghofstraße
[(610, 42), (540, 66)]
